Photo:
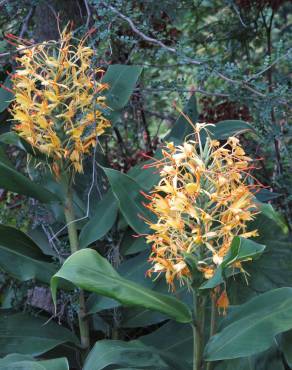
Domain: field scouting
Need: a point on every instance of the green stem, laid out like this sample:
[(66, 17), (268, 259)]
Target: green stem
[(74, 246), (198, 331), (212, 326)]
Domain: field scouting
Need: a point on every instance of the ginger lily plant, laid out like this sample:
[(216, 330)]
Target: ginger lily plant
[(58, 110), (199, 232), (205, 197)]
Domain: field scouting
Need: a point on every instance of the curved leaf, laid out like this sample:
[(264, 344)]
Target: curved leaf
[(12, 138), (5, 95), (17, 361), (127, 191), (90, 271), (173, 338), (122, 80), (108, 353), (182, 127), (241, 250), (286, 340), (253, 326), (112, 352), (12, 180), (224, 129), (21, 258), (101, 222), (30, 335)]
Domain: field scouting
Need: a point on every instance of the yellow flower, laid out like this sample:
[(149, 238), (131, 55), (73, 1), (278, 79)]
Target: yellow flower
[(56, 96), (202, 201)]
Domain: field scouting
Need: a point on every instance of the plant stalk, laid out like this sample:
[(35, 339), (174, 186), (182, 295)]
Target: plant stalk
[(212, 326), (74, 246), (198, 331)]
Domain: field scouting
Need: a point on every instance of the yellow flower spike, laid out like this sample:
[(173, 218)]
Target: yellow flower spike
[(202, 201), (54, 101), (192, 188)]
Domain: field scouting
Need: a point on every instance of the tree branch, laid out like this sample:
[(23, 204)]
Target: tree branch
[(154, 41), (25, 22), (88, 13)]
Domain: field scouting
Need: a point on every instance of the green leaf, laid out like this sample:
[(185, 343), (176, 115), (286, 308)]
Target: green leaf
[(224, 129), (107, 353), (5, 96), (30, 335), (265, 195), (12, 180), (132, 245), (133, 269), (172, 338), (252, 327), (267, 360), (286, 340), (146, 177), (271, 217), (137, 317), (122, 80), (182, 127), (21, 258), (241, 250), (101, 222), (90, 271), (273, 269), (113, 353), (12, 138), (17, 361), (127, 192)]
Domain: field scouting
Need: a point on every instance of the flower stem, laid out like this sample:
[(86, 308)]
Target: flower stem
[(198, 331), (74, 246), (212, 326)]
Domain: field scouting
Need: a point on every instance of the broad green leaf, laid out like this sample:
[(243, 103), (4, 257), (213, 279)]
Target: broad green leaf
[(122, 80), (268, 212), (286, 347), (241, 250), (146, 177), (12, 138), (41, 239), (26, 362), (173, 338), (5, 95), (127, 191), (12, 180), (252, 327), (21, 258), (25, 334), (107, 353), (265, 195), (101, 222), (267, 360), (113, 353), (137, 317), (273, 269), (224, 129), (182, 127), (133, 269), (90, 271), (132, 245)]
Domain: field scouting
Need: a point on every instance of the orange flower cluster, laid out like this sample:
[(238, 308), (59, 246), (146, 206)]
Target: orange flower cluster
[(202, 201), (58, 106)]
